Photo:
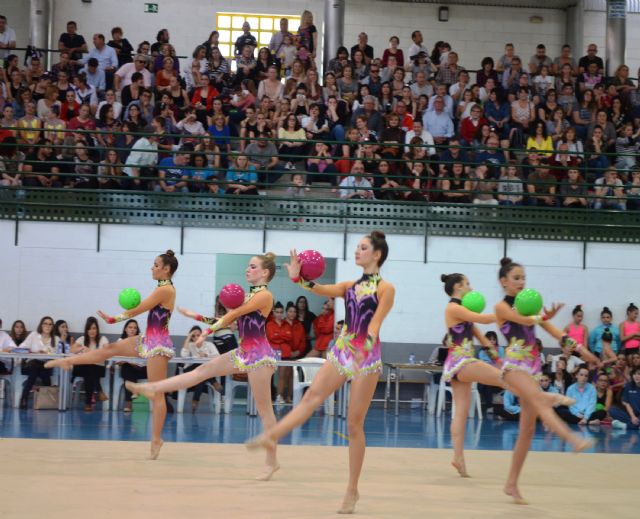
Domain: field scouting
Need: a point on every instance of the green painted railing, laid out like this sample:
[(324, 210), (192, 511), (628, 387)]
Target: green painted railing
[(275, 213)]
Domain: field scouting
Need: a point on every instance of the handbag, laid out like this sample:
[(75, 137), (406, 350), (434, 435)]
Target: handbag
[(46, 397)]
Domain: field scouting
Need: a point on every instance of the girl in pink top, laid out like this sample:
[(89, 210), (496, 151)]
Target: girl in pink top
[(630, 331), (575, 329)]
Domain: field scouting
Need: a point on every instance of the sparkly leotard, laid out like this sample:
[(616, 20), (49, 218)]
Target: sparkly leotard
[(460, 344), (521, 352), (156, 341), (254, 350), (361, 303)]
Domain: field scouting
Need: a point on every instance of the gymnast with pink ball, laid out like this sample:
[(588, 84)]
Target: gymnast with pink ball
[(254, 355)]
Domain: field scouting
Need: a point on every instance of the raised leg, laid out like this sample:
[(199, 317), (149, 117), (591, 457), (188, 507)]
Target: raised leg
[(124, 348)]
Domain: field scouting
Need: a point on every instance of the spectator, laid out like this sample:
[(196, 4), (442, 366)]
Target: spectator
[(609, 191), (630, 331), (297, 188), (307, 36), (83, 121), (609, 130), (29, 125), (393, 50), (562, 378), (470, 125), (565, 58), (11, 163), (246, 66), (172, 174), (124, 75), (142, 160), (482, 187), (245, 39), (110, 172), (292, 140), (7, 38), (572, 191), (596, 345), (419, 131), (84, 169), (263, 155), (630, 415), (604, 395), (277, 38), (271, 86), (206, 350), (438, 123), (41, 341), (321, 166), (95, 77), (91, 373), (7, 344), (539, 60), (323, 329), (523, 115), (315, 124), (583, 412), (121, 45), (337, 64), (106, 56), (131, 372), (510, 186), (632, 191), (539, 139), (455, 185), (219, 68), (591, 57), (541, 187), (597, 161), (546, 383), (164, 75), (574, 145), (562, 161), (511, 407), (162, 38), (40, 168), (556, 124), (241, 178), (356, 186), (45, 104), (72, 42), (627, 148)]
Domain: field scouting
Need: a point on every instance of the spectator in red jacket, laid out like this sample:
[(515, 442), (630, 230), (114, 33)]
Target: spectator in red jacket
[(469, 126), (323, 330)]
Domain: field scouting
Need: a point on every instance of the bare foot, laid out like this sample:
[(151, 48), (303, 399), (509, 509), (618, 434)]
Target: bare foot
[(583, 444), (269, 471), (155, 449), (461, 468), (512, 490), (349, 502), (262, 441), (140, 389), (65, 364)]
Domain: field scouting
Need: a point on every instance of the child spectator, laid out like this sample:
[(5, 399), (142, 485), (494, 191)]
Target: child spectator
[(584, 393), (629, 416)]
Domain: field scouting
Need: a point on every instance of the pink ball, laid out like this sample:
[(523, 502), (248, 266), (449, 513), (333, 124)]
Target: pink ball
[(231, 296), (312, 264)]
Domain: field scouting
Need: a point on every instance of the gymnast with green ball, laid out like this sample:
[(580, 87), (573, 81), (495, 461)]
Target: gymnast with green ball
[(155, 346)]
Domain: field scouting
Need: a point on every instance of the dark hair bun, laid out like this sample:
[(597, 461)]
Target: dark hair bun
[(578, 308), (605, 310), (378, 235), (505, 261), (444, 277), (170, 253)]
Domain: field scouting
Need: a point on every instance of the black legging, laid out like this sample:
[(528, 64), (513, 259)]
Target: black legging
[(132, 373), (510, 417), (564, 413), (91, 375), (225, 344), (34, 369)]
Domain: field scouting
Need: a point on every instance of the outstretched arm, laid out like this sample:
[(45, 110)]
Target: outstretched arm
[(460, 313), (159, 296), (198, 317)]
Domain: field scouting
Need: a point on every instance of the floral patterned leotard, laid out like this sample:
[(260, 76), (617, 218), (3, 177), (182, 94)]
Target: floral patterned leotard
[(460, 344)]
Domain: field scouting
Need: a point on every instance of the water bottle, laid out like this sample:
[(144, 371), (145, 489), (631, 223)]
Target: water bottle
[(412, 358)]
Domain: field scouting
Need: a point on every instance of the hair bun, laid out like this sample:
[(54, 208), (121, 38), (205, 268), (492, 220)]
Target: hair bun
[(505, 261), (444, 277), (270, 255), (379, 235), (170, 253)]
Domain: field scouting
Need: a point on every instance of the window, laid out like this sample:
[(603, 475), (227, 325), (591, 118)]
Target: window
[(229, 25)]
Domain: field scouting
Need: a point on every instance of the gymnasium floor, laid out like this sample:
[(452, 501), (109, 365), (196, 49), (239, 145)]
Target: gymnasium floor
[(406, 475)]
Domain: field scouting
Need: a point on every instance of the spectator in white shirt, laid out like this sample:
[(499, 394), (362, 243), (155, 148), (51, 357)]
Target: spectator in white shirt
[(419, 131), (41, 341), (6, 344), (142, 159), (7, 37), (421, 86), (206, 351), (356, 186), (417, 46), (123, 74)]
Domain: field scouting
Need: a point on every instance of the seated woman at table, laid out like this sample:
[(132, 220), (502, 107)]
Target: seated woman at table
[(206, 350), (90, 373), (129, 371), (41, 341), (6, 344)]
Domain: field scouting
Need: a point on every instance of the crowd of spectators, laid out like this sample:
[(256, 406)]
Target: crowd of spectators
[(380, 124), (294, 334)]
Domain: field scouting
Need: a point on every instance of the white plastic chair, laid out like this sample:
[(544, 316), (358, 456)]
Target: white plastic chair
[(445, 388), (230, 387), (303, 376)]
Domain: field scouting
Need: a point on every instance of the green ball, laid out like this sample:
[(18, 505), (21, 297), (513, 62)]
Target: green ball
[(474, 301), (528, 302), (129, 298)]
